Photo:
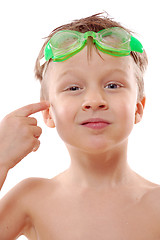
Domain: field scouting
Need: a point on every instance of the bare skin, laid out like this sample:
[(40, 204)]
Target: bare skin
[(99, 196), (54, 209)]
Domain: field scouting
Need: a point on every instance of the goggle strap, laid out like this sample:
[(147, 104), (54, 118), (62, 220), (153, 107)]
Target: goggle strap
[(48, 52), (135, 45), (42, 61)]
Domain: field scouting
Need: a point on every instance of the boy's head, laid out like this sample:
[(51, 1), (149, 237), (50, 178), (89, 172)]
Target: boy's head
[(93, 23), (95, 98)]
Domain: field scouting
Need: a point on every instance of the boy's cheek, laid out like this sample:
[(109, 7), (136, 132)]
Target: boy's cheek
[(59, 116), (125, 112)]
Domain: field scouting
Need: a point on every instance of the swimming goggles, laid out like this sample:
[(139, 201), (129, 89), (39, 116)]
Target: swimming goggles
[(114, 41)]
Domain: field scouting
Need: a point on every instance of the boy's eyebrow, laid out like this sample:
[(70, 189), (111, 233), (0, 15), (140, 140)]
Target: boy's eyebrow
[(66, 72), (117, 70), (108, 72)]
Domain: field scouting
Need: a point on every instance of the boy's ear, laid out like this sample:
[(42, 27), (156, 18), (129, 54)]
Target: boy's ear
[(139, 110), (48, 118)]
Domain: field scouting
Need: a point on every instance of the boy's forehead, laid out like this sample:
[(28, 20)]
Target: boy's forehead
[(96, 63)]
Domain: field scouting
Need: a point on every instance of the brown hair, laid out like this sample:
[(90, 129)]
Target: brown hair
[(94, 23)]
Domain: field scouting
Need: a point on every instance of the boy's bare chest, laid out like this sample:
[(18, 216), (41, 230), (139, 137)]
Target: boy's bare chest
[(73, 218)]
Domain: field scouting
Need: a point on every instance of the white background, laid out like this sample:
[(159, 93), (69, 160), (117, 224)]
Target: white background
[(23, 24)]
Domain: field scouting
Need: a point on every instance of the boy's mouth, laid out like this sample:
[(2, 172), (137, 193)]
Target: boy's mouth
[(95, 123)]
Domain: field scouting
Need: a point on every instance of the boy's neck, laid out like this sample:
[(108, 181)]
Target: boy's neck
[(99, 171)]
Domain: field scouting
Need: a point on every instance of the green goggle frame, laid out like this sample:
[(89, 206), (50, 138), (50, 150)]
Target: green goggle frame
[(114, 41)]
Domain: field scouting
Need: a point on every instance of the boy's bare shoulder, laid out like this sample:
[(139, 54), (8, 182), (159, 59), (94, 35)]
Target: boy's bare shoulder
[(151, 200), (30, 187), (153, 196), (25, 190)]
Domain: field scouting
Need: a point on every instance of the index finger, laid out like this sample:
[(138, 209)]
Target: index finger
[(30, 109)]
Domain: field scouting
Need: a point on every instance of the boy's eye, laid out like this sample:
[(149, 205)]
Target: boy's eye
[(113, 86), (73, 88)]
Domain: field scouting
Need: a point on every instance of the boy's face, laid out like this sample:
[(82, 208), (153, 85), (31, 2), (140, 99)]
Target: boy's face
[(82, 92)]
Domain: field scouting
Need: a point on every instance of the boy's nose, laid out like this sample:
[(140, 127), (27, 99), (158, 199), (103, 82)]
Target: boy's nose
[(95, 103)]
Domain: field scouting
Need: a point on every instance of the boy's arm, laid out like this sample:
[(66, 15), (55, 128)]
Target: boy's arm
[(19, 135), (14, 219), (3, 175)]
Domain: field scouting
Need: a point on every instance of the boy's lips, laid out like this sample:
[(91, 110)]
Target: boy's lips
[(95, 123)]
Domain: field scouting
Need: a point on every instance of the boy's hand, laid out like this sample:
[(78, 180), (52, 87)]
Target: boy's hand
[(19, 134)]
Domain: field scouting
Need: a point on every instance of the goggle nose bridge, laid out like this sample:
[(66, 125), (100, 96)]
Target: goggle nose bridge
[(89, 34)]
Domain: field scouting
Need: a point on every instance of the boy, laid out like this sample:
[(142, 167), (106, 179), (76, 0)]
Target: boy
[(94, 85)]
